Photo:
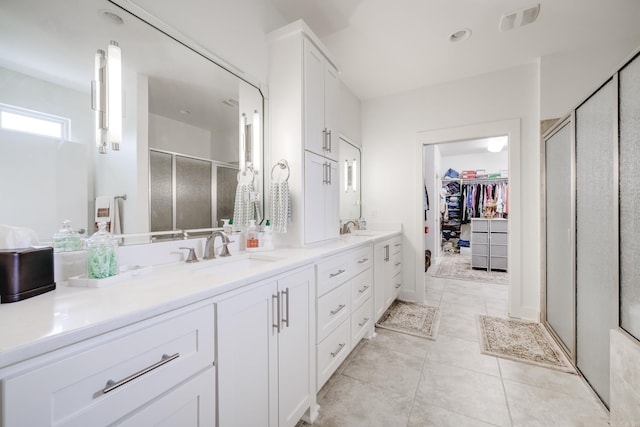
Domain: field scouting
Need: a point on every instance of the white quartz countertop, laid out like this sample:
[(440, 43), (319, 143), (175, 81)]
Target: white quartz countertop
[(69, 315)]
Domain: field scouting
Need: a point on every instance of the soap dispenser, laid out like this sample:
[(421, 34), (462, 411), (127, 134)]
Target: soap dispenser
[(268, 237), (252, 236), (102, 254), (66, 239)]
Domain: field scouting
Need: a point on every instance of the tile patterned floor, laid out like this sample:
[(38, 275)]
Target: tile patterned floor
[(400, 380)]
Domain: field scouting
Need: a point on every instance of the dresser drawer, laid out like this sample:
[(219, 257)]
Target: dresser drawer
[(361, 321), (333, 308), (499, 225), (479, 238), (499, 250), (499, 238), (332, 352), (105, 378), (479, 248), (362, 259), (361, 289), (499, 263), (333, 272)]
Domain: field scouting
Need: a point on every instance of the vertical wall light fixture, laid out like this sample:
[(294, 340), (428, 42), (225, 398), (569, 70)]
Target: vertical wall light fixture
[(106, 97), (350, 176), (256, 141)]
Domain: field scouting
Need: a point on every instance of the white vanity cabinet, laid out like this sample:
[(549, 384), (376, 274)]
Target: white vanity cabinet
[(304, 91), (387, 274), (158, 369), (265, 352), (344, 308)]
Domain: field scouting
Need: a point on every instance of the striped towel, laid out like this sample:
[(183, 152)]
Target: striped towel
[(280, 206)]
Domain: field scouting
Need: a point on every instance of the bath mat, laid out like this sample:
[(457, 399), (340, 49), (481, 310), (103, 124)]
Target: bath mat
[(458, 266), (413, 319), (520, 341)]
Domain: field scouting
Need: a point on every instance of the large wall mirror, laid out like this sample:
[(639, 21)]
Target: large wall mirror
[(186, 121), (350, 182)]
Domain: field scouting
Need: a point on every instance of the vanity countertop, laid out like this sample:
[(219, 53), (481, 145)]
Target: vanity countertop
[(69, 315)]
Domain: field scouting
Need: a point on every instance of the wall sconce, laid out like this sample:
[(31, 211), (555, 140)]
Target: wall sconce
[(350, 176), (106, 97), (250, 141)]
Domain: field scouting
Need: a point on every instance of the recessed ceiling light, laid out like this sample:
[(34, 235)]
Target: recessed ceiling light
[(111, 16), (460, 35)]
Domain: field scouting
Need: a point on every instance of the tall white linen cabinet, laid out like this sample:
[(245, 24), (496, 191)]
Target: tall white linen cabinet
[(304, 92)]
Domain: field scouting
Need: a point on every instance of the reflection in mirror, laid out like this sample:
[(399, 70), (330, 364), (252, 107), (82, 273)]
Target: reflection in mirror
[(182, 138), (350, 167)]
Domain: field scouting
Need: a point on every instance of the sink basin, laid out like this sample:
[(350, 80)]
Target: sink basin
[(236, 263)]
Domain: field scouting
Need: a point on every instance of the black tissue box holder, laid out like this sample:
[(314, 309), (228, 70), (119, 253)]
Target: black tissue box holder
[(25, 273)]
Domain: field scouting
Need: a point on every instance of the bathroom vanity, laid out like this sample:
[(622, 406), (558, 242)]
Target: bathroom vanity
[(244, 340)]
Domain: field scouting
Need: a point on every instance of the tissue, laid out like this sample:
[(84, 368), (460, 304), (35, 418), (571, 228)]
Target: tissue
[(16, 237)]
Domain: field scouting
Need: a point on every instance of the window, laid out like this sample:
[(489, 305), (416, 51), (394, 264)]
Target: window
[(33, 122)]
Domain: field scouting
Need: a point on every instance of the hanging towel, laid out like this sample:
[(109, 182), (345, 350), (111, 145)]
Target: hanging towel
[(246, 206), (104, 211), (280, 206), (117, 216)]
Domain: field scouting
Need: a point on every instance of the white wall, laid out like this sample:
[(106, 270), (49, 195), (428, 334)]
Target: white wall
[(389, 133), (172, 135), (566, 78), (349, 122)]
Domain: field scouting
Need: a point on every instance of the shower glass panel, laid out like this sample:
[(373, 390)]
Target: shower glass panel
[(226, 183), (596, 235), (161, 190), (193, 193), (560, 285), (629, 201)]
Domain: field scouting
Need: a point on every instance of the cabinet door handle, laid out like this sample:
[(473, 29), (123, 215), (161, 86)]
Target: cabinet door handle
[(329, 172), (364, 322), (324, 173), (337, 273), (386, 253), (324, 139), (363, 260), (275, 315), (363, 289), (112, 385), (340, 347), (337, 310), (330, 144), (286, 320)]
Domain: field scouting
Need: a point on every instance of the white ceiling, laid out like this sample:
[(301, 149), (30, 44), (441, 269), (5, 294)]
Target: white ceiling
[(384, 47)]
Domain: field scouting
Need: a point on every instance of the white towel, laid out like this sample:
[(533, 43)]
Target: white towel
[(17, 237), (280, 206), (246, 206)]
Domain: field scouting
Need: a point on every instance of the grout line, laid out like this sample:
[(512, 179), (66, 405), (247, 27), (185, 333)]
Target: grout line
[(504, 390)]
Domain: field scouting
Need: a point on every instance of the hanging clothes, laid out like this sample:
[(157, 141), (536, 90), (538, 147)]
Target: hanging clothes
[(477, 195)]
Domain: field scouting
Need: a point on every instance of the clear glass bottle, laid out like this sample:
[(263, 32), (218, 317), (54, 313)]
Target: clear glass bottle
[(66, 239), (102, 254)]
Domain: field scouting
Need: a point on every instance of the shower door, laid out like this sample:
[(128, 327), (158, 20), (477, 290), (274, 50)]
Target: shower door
[(596, 234), (559, 249)]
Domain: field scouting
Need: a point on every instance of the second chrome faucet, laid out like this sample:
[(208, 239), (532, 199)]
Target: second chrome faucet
[(209, 245)]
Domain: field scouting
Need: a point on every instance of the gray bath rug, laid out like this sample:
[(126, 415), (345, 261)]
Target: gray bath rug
[(458, 266), (520, 341), (413, 319)]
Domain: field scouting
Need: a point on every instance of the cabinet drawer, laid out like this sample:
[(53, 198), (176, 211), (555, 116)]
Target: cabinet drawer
[(361, 289), (396, 284), (479, 261), (479, 237), (361, 321), (499, 250), (332, 352), (479, 249), (479, 225), (500, 225), (362, 259), (395, 247), (499, 238), (101, 383), (333, 308), (333, 272), (396, 263), (498, 263)]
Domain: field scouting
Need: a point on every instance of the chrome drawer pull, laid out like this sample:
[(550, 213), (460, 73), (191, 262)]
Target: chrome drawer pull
[(335, 353), (339, 272), (337, 310), (398, 263), (363, 260), (363, 289), (397, 244), (112, 385), (398, 285), (364, 322), (286, 321)]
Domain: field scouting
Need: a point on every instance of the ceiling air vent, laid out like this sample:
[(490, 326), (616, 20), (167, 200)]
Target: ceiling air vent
[(520, 17)]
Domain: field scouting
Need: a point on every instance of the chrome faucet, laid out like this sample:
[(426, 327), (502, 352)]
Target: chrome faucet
[(209, 245), (345, 227)]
